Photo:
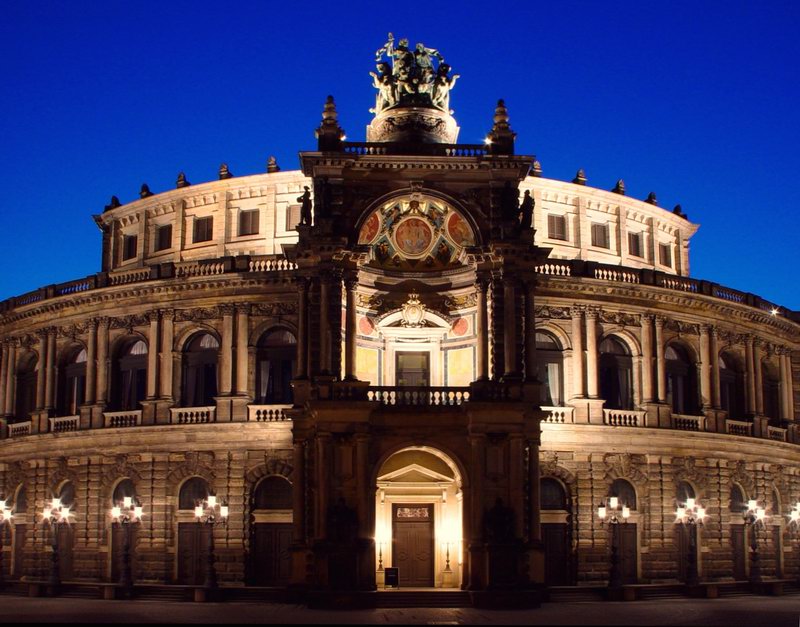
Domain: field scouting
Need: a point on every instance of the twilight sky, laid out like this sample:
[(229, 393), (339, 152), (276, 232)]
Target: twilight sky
[(696, 101)]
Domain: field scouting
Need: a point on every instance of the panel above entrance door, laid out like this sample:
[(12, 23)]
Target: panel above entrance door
[(412, 544), (412, 369)]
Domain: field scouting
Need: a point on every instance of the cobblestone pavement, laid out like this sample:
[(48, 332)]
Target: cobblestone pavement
[(752, 611)]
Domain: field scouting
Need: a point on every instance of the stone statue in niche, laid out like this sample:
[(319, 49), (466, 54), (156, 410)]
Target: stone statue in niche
[(526, 210), (305, 206)]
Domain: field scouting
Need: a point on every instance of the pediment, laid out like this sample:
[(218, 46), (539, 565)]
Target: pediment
[(414, 473)]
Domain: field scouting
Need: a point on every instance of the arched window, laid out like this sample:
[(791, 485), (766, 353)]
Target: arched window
[(737, 503), (67, 494), (273, 493), (681, 380), (616, 374), (192, 491), (731, 385), (771, 392), (21, 500), (200, 370), (550, 368), (625, 492), (684, 492), (71, 382), (775, 504), (124, 488), (276, 353), (26, 386), (129, 375), (552, 494)]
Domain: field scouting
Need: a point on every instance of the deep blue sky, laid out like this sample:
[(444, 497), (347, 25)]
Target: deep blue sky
[(696, 101)]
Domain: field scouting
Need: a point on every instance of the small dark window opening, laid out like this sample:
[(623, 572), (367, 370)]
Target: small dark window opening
[(273, 493), (600, 235), (292, 217), (129, 246), (192, 492), (203, 228), (665, 255), (557, 227), (635, 244), (163, 237), (248, 222)]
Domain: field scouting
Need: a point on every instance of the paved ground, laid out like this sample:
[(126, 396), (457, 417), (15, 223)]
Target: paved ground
[(752, 611)]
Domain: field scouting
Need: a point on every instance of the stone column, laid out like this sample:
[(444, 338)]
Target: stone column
[(226, 351), (3, 370), (535, 532), (784, 362), (11, 372), (242, 328), (91, 363), (591, 352), (750, 396), (152, 356), (715, 399), (366, 515), (298, 493), (758, 377), (530, 333), (41, 370), (509, 327), (647, 358), (477, 567), (167, 339), (482, 323), (661, 363), (50, 378), (102, 361), (324, 324), (350, 330), (323, 443), (577, 352), (302, 328), (705, 367)]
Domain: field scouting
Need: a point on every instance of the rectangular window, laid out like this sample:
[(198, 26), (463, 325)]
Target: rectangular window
[(129, 245), (203, 228), (557, 227), (248, 222), (665, 255), (292, 217), (600, 235), (163, 237), (635, 244)]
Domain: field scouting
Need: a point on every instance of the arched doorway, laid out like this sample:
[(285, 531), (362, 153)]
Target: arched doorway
[(550, 366), (771, 392), (66, 533), (684, 541), (192, 535), (129, 375), (418, 519), (555, 520), (731, 385), (71, 382), (25, 403), (123, 488), (271, 532), (276, 355), (19, 527), (626, 533), (737, 507), (200, 357), (681, 381)]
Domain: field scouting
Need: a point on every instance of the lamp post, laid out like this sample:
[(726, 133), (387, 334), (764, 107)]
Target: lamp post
[(754, 515), (126, 513), (691, 514), (210, 512), (615, 513), (55, 514), (5, 517), (447, 558)]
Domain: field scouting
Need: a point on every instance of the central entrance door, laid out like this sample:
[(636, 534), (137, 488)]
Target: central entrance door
[(412, 369), (412, 544)]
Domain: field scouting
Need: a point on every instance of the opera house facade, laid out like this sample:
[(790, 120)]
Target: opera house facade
[(411, 353)]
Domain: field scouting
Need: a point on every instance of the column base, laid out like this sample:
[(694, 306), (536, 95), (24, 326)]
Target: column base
[(658, 415), (588, 410)]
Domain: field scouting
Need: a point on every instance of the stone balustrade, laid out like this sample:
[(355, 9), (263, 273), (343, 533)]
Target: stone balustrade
[(116, 419), (19, 429), (192, 415), (559, 415), (738, 427), (776, 433), (267, 413), (623, 417), (425, 396), (688, 423), (63, 424)]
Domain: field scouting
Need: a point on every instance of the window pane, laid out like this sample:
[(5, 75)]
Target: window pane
[(163, 237), (600, 235), (665, 255), (557, 227), (129, 243), (203, 229), (248, 222), (292, 217), (635, 244)]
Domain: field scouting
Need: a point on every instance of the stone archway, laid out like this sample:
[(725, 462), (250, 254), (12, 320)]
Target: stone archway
[(418, 518)]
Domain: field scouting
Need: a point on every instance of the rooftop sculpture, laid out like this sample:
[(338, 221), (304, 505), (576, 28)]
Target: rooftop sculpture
[(418, 78)]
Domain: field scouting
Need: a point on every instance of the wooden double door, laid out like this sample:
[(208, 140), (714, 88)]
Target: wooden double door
[(192, 551), (413, 551), (270, 559)]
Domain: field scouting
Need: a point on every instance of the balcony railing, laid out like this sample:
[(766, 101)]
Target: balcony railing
[(623, 418), (18, 429), (776, 433), (738, 427), (559, 415), (424, 396), (192, 415), (118, 419), (62, 424), (267, 413), (688, 423)]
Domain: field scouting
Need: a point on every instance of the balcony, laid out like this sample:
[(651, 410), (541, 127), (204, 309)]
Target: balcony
[(419, 396), (623, 418), (116, 419), (192, 415), (267, 413)]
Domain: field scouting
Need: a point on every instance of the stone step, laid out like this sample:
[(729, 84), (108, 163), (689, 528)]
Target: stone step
[(399, 598)]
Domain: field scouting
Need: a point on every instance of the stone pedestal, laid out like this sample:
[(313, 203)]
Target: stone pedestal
[(413, 125)]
